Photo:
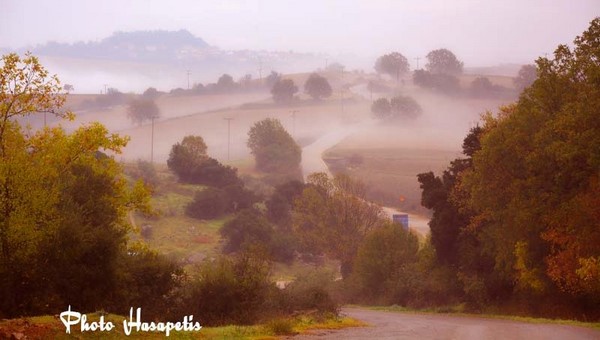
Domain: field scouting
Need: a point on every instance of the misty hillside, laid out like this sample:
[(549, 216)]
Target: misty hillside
[(155, 46), (159, 57), (160, 46)]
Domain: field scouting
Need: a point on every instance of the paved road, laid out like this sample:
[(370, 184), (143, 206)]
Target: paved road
[(393, 325)]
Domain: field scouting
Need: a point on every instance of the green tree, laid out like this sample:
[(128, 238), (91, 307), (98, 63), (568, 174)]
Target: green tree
[(141, 110), (443, 61), (151, 93), (283, 91), (279, 205), (208, 204), (246, 229), (27, 88), (186, 156), (243, 285), (273, 148), (533, 187), (226, 83), (272, 79), (63, 220), (333, 216), (393, 64), (526, 76), (317, 86), (386, 255)]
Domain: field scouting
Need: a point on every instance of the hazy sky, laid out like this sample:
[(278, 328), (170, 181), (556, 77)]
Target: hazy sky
[(479, 32)]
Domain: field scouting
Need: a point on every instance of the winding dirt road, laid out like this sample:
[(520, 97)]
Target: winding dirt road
[(394, 325), (312, 161)]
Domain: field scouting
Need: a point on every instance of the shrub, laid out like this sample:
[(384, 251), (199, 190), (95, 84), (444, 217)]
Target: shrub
[(311, 291), (188, 160), (239, 198), (230, 290), (211, 172), (281, 326), (442, 82), (247, 228), (208, 204), (146, 171), (283, 247), (384, 257)]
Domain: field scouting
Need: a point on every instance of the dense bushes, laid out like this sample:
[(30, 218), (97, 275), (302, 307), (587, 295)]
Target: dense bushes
[(230, 290), (213, 202), (189, 161), (250, 228), (399, 107), (208, 204), (384, 257), (441, 82), (238, 290)]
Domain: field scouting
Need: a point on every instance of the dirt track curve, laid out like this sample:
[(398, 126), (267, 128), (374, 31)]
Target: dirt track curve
[(394, 325)]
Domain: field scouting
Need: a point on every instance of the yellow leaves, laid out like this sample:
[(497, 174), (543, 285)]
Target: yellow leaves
[(26, 88), (589, 272), (527, 278)]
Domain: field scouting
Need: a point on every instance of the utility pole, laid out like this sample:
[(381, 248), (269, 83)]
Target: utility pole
[(326, 60), (342, 102), (188, 76), (228, 119), (105, 90), (294, 122), (417, 59), (152, 143), (260, 70)]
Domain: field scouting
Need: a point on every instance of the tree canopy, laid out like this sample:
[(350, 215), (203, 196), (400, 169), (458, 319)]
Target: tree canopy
[(273, 148), (317, 86), (333, 217), (393, 64), (142, 109), (399, 107), (538, 166), (519, 217), (443, 61), (526, 76), (63, 221), (189, 161), (283, 91)]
